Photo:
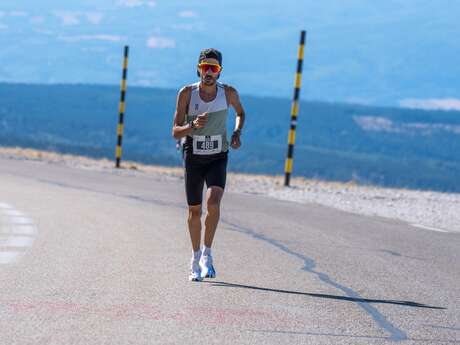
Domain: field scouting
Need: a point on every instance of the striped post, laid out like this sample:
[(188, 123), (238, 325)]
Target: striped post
[(294, 111), (122, 108)]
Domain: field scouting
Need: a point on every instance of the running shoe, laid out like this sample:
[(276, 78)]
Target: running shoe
[(207, 269), (195, 271)]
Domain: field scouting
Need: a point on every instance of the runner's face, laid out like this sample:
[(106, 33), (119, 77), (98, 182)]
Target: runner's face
[(209, 78)]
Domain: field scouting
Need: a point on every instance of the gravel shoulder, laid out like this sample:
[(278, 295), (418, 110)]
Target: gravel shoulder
[(428, 209)]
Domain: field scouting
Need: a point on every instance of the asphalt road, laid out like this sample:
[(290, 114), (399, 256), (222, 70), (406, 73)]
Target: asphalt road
[(91, 257)]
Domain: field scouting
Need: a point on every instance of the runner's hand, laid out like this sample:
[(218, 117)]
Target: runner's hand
[(201, 120), (236, 141)]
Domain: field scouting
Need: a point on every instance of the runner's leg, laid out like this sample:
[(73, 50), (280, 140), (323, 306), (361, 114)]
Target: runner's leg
[(194, 226), (194, 182), (213, 197), (215, 177)]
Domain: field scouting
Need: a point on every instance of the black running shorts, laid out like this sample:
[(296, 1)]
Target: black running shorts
[(211, 169)]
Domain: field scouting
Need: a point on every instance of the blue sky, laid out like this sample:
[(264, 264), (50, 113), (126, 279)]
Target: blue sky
[(401, 52)]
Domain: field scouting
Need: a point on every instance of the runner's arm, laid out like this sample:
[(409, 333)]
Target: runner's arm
[(180, 129), (234, 101)]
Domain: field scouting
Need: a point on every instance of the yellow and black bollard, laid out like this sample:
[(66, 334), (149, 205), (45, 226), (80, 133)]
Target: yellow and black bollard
[(294, 111), (122, 108)]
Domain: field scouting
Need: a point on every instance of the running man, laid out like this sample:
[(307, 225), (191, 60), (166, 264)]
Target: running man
[(201, 118)]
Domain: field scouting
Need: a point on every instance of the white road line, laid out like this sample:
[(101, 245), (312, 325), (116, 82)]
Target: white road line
[(428, 228), (8, 257), (20, 221), (5, 206), (22, 229), (18, 241), (12, 213), (19, 232)]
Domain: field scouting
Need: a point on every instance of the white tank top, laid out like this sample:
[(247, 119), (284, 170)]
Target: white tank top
[(213, 137), (198, 106)]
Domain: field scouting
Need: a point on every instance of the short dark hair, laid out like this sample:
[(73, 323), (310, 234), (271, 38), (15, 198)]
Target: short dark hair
[(210, 53)]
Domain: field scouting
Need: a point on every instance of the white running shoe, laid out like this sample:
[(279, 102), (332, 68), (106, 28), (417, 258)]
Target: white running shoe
[(195, 271), (207, 269)]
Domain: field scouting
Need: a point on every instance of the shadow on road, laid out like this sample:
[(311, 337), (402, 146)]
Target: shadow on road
[(341, 298)]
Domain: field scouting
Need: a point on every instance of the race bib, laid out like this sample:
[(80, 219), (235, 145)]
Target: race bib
[(207, 144)]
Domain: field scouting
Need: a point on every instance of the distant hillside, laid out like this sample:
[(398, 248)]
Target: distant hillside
[(384, 146)]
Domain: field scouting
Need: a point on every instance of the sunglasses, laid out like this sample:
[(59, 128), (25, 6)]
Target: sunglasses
[(205, 66)]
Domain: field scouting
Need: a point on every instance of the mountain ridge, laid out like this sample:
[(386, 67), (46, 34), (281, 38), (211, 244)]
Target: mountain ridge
[(390, 147)]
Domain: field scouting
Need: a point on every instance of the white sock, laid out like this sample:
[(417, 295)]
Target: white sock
[(206, 251), (196, 255)]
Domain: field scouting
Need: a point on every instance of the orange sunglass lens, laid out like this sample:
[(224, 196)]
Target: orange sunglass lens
[(205, 67)]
